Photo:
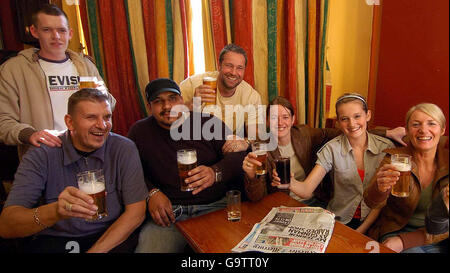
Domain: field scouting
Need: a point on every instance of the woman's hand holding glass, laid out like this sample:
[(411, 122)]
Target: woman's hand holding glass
[(387, 176), (276, 181), (249, 165)]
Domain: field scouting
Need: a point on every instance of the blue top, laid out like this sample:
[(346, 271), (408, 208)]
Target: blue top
[(46, 171)]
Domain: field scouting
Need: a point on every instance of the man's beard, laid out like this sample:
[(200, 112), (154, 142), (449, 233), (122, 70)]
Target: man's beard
[(224, 83)]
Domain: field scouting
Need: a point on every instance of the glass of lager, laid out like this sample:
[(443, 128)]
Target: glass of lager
[(260, 150), (402, 163), (233, 205), (283, 167), (186, 160), (93, 183), (212, 83), (88, 82)]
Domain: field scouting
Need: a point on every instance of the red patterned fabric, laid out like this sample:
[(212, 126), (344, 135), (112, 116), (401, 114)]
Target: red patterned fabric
[(243, 34), (218, 26), (85, 23), (119, 66), (291, 51), (10, 28), (148, 15), (185, 41)]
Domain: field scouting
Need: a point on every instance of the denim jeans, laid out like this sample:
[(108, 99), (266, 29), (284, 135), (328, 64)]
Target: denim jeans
[(157, 239)]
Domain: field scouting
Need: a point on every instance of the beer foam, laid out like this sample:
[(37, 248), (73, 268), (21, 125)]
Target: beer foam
[(187, 159), (401, 167), (260, 152), (209, 79), (91, 188)]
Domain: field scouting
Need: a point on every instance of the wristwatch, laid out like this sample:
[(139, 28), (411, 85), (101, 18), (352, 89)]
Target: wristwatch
[(217, 174)]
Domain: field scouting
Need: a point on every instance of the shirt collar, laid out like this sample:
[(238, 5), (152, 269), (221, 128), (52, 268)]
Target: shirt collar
[(70, 155), (371, 144)]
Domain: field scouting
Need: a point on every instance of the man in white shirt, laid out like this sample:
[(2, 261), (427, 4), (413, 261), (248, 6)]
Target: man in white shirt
[(233, 92), (36, 84)]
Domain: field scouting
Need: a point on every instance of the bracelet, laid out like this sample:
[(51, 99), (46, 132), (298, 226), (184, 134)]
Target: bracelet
[(248, 142), (152, 192), (36, 219)]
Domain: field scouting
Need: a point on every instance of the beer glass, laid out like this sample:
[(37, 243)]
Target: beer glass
[(283, 167), (88, 82), (212, 83), (93, 183), (233, 205), (186, 160), (260, 150), (402, 163)]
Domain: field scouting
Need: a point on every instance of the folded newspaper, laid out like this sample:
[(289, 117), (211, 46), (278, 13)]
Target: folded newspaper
[(290, 230)]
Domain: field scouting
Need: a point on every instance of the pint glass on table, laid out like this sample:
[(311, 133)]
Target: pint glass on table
[(212, 83), (186, 160), (233, 205), (93, 183), (260, 150), (402, 163)]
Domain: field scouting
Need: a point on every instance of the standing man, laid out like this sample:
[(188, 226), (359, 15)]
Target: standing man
[(45, 200), (36, 84), (232, 90), (157, 140)]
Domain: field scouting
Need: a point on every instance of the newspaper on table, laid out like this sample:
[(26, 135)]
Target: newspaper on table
[(290, 230)]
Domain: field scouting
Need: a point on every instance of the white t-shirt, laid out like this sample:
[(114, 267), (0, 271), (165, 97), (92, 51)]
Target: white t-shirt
[(244, 96), (62, 81)]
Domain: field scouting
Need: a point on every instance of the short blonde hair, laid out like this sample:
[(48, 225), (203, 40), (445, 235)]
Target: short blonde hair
[(430, 109)]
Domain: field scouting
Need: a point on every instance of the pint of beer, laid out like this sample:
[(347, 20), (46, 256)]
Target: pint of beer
[(402, 164), (186, 160), (88, 82), (212, 83), (93, 183), (260, 150)]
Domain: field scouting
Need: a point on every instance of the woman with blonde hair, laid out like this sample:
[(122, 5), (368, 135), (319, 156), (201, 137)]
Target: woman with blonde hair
[(401, 223)]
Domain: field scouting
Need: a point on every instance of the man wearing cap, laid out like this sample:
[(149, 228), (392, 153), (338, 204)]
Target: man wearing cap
[(232, 91), (36, 84), (158, 139)]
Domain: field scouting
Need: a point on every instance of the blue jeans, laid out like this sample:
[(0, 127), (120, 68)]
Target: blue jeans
[(157, 239)]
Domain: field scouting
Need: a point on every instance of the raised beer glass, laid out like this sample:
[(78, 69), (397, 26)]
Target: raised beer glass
[(186, 160), (402, 163), (212, 83), (260, 150), (88, 82), (283, 167), (93, 183)]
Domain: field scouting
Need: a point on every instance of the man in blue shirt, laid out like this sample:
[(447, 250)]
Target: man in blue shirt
[(45, 200)]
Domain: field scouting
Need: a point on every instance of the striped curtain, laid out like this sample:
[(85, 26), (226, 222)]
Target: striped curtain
[(148, 39), (145, 40), (285, 43)]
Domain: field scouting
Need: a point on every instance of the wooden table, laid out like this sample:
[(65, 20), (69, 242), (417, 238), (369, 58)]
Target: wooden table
[(213, 233)]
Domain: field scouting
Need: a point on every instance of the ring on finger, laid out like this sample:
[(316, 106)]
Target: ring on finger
[(68, 207)]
